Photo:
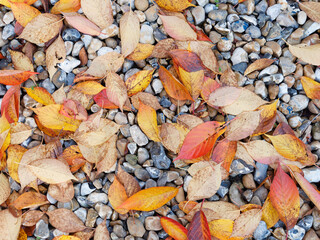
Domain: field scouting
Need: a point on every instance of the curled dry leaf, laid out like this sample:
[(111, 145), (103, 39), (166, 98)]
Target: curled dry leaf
[(224, 153), (163, 47), (29, 200), (51, 170), (14, 77), (172, 136), (73, 157), (174, 5), (178, 28), (82, 24), (30, 218), (129, 182), (312, 10), (73, 109), (63, 192), (246, 223), (111, 61), (174, 228), (9, 225), (141, 52), (129, 32), (89, 87), (24, 13), (56, 53), (311, 87), (66, 6), (117, 195), (269, 214), (284, 196), (98, 11), (15, 153), (205, 183), (199, 228), (22, 62), (149, 199), (65, 220), (116, 89), (306, 53), (19, 132), (139, 81), (40, 94), (10, 104), (42, 28), (145, 98), (4, 188), (258, 65)]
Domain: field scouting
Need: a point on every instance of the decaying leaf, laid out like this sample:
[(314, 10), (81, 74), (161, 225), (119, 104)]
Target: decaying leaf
[(189, 121), (199, 228), (306, 53), (223, 96), (22, 62), (224, 153), (268, 114), (89, 87), (163, 47), (56, 53), (129, 32), (29, 200), (312, 10), (4, 188), (103, 101), (73, 157), (101, 232), (147, 99), (139, 81), (117, 195), (30, 218), (228, 78), (172, 136), (258, 65), (10, 104)]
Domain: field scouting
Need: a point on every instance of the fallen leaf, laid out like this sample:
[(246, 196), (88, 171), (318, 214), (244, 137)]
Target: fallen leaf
[(108, 153), (224, 153), (187, 60), (228, 78), (311, 9), (145, 98), (149, 199), (139, 81), (141, 52), (99, 12), (283, 128), (63, 192), (221, 228), (172, 136), (14, 77), (147, 120), (163, 47), (89, 87), (7, 3), (22, 62), (51, 170), (24, 13), (129, 32), (200, 140), (189, 121), (187, 206), (199, 228), (65, 220), (56, 53), (311, 87), (15, 153), (50, 117), (31, 217), (174, 5), (74, 110), (269, 214), (258, 65), (66, 237), (117, 195), (223, 96), (284, 196), (10, 104), (201, 36), (172, 85), (306, 53), (102, 100), (4, 143), (101, 232), (178, 28), (246, 223), (19, 132), (205, 183), (42, 28), (29, 200), (268, 115), (9, 225), (66, 6), (74, 157), (116, 89), (82, 24), (40, 94), (4, 188), (129, 182), (111, 61), (174, 228)]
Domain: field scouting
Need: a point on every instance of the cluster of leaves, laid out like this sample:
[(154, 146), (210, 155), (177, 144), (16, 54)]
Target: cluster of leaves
[(195, 73)]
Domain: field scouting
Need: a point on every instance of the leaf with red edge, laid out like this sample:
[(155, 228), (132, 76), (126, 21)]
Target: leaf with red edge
[(10, 104), (102, 100), (82, 24), (284, 196), (187, 60), (268, 116), (14, 77), (199, 227), (174, 228), (283, 128), (209, 85), (201, 36), (200, 140), (224, 152)]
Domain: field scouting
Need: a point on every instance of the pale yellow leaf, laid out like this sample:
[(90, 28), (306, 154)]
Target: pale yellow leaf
[(56, 53), (308, 54), (9, 225), (20, 132), (98, 11), (129, 32), (4, 188)]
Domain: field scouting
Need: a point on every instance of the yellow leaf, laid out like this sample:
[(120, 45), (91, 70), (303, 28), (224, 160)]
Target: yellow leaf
[(129, 32), (269, 213), (66, 6), (66, 237), (15, 153), (7, 2), (221, 228), (22, 235), (50, 117), (19, 132), (141, 52), (193, 81), (41, 95), (311, 87), (139, 82), (89, 87), (174, 5), (24, 13), (147, 120), (268, 115), (4, 188), (117, 195)]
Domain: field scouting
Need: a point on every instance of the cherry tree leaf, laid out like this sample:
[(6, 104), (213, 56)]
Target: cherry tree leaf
[(268, 114), (15, 153), (10, 104), (116, 89), (306, 53), (258, 65), (7, 3), (9, 225), (174, 5), (14, 77), (101, 232), (24, 13), (129, 32), (4, 188), (139, 81), (56, 53), (174, 228), (269, 214), (224, 153), (199, 228), (22, 62), (141, 52), (66, 6), (29, 200), (63, 192), (221, 228), (129, 182), (172, 136), (19, 132), (311, 87), (41, 95), (98, 11), (103, 101), (311, 9), (82, 24), (117, 195), (223, 96), (246, 223), (31, 217), (89, 87)]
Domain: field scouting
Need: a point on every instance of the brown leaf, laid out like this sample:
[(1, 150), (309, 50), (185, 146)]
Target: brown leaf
[(56, 53), (139, 81), (224, 96), (63, 192), (130, 183), (258, 65), (30, 218), (224, 152), (172, 136), (306, 53), (147, 99), (129, 32), (268, 115), (101, 232), (246, 223), (162, 48), (29, 200), (189, 121), (228, 78), (65, 220), (42, 28), (108, 152), (4, 188), (22, 62), (9, 225), (312, 10)]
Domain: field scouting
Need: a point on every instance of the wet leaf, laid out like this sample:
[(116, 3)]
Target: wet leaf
[(41, 95), (246, 223), (116, 89), (149, 199), (306, 53), (15, 153), (147, 120), (268, 114), (56, 53), (66, 6), (311, 9), (284, 196), (224, 153), (129, 32), (14, 77), (29, 200), (199, 228), (98, 11), (174, 228), (141, 52), (172, 85), (129, 182), (42, 28), (139, 81), (24, 13), (269, 214), (311, 87), (4, 188), (89, 87), (174, 5), (117, 195), (19, 132), (9, 225), (258, 65), (178, 28), (65, 220), (82, 24), (10, 104), (63, 192)]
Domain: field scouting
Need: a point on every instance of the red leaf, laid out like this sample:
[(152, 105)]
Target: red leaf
[(284, 197), (200, 140), (102, 100), (224, 152), (10, 104), (201, 36), (199, 228), (14, 77), (174, 228), (187, 60)]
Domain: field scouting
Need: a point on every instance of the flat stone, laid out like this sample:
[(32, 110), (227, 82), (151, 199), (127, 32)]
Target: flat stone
[(94, 198), (146, 34), (296, 233), (153, 223), (287, 66), (135, 227), (274, 11), (81, 214), (299, 102), (239, 55), (261, 232), (218, 15)]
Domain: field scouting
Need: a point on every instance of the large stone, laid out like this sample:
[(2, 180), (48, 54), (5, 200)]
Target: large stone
[(138, 136), (135, 227), (239, 55), (159, 157)]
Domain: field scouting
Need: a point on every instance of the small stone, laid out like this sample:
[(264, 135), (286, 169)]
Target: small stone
[(224, 188), (153, 223), (91, 218), (142, 174), (141, 5), (287, 66), (274, 33), (302, 17), (224, 45), (121, 118), (39, 58), (135, 227), (132, 147), (254, 31), (71, 34), (69, 64), (248, 181), (95, 197), (143, 155), (94, 46), (151, 13), (235, 195), (286, 20), (274, 11), (104, 50), (261, 7), (306, 222), (312, 174), (69, 47), (104, 211), (296, 233), (239, 55), (157, 86), (299, 102), (86, 39), (158, 155), (261, 232), (48, 85), (87, 188), (154, 172), (202, 3), (218, 15), (8, 32), (146, 34), (8, 17), (238, 166), (138, 136), (198, 14), (81, 213), (260, 89), (261, 172), (239, 26), (76, 48), (119, 231), (42, 229)]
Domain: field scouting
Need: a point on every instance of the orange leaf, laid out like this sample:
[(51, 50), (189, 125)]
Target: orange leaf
[(41, 95), (149, 199), (200, 140), (209, 86), (147, 120), (224, 152), (29, 200), (174, 5), (193, 81), (117, 195), (10, 104), (283, 128), (24, 13), (66, 6), (102, 100), (311, 87), (74, 157), (258, 64), (141, 52), (7, 3), (89, 87), (284, 197), (199, 228), (201, 36), (269, 213), (187, 206), (22, 235), (14, 77), (187, 60), (174, 228), (172, 85), (268, 116), (139, 81)]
